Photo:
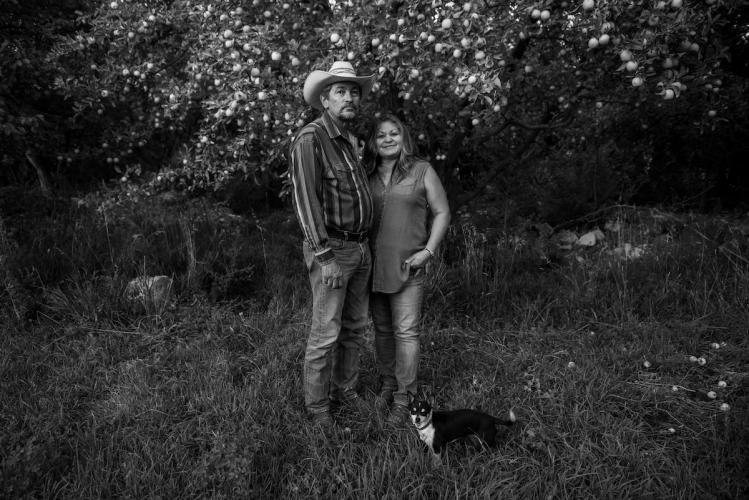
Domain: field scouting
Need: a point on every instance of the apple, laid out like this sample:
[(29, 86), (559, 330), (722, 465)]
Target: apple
[(276, 56), (113, 5), (431, 39), (401, 21), (228, 34), (593, 43), (631, 66), (545, 15), (669, 94), (589, 4), (472, 79), (637, 81), (457, 53), (528, 68), (710, 113), (625, 55), (465, 42), (604, 39), (479, 55), (475, 122), (467, 6), (375, 42), (335, 37), (438, 47), (497, 108), (536, 14), (447, 23)]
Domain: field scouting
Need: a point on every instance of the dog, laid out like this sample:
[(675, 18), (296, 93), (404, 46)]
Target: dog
[(437, 428)]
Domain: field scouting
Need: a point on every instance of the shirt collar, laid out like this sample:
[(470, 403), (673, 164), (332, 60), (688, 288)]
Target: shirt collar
[(330, 127), (333, 131)]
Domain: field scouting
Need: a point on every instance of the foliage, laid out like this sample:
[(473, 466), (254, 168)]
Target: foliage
[(202, 93)]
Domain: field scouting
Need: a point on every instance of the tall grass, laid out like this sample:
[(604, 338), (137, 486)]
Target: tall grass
[(102, 398)]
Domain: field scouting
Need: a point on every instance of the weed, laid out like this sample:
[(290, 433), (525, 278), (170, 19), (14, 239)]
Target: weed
[(610, 363)]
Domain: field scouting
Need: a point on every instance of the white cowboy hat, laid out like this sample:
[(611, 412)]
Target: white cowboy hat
[(340, 71)]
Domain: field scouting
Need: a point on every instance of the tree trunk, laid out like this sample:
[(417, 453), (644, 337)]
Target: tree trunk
[(44, 184)]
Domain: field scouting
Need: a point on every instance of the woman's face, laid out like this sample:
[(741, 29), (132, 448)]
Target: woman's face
[(389, 140)]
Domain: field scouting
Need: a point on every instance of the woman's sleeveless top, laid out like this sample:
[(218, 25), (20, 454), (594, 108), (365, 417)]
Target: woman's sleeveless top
[(400, 225)]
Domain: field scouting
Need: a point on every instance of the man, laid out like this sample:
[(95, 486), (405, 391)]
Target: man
[(334, 208)]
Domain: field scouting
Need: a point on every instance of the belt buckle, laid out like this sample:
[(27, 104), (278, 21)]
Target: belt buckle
[(346, 235)]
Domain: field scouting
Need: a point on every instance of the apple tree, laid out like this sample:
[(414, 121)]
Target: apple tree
[(498, 93)]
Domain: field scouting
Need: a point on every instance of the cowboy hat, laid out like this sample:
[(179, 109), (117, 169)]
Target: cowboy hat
[(340, 71)]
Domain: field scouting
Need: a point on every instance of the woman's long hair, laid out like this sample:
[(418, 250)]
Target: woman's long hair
[(408, 151)]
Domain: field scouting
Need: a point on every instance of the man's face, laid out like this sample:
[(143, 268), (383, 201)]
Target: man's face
[(342, 102)]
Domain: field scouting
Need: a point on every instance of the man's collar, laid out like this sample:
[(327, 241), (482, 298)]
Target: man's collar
[(330, 126)]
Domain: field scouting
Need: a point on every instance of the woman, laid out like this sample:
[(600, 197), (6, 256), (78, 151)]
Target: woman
[(405, 191)]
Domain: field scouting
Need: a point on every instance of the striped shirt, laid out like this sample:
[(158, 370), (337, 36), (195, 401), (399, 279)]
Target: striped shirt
[(330, 187)]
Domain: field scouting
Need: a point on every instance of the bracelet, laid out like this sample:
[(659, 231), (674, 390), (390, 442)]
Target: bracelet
[(431, 254)]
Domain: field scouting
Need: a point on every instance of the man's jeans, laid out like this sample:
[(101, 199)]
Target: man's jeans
[(339, 318), (396, 317)]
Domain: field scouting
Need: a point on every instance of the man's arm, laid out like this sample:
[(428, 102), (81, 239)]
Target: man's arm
[(306, 179)]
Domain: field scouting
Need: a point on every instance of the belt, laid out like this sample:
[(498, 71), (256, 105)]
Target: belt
[(347, 235)]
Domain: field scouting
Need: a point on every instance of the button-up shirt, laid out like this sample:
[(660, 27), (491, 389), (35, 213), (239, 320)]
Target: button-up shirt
[(330, 187)]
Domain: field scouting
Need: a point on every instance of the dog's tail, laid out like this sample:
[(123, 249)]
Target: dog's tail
[(510, 420)]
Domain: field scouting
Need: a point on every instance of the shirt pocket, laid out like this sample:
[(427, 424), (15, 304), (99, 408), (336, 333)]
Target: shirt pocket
[(341, 176), (404, 186)]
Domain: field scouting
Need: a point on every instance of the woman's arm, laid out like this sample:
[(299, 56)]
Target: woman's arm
[(437, 199)]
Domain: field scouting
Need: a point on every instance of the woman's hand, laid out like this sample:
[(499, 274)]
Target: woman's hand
[(417, 260)]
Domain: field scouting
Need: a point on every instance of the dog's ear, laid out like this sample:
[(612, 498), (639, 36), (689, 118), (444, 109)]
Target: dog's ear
[(411, 397)]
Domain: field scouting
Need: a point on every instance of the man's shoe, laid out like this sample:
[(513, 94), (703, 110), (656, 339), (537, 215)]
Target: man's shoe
[(324, 421), (399, 414), (358, 405)]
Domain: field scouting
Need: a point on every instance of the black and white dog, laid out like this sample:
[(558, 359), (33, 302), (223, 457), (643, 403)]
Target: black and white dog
[(437, 428)]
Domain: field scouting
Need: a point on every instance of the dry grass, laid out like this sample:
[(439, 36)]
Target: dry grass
[(102, 399)]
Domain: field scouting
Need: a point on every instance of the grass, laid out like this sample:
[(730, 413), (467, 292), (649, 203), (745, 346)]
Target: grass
[(104, 398)]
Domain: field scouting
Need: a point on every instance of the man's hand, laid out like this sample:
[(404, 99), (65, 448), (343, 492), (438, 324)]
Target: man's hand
[(331, 274)]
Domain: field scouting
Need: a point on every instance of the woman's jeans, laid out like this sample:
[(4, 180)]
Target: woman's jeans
[(339, 319), (396, 317)]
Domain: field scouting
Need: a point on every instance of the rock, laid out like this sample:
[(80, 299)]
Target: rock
[(613, 226), (590, 238), (627, 251), (152, 291)]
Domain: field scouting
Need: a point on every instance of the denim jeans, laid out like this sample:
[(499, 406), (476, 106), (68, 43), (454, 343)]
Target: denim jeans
[(339, 319), (396, 317)]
